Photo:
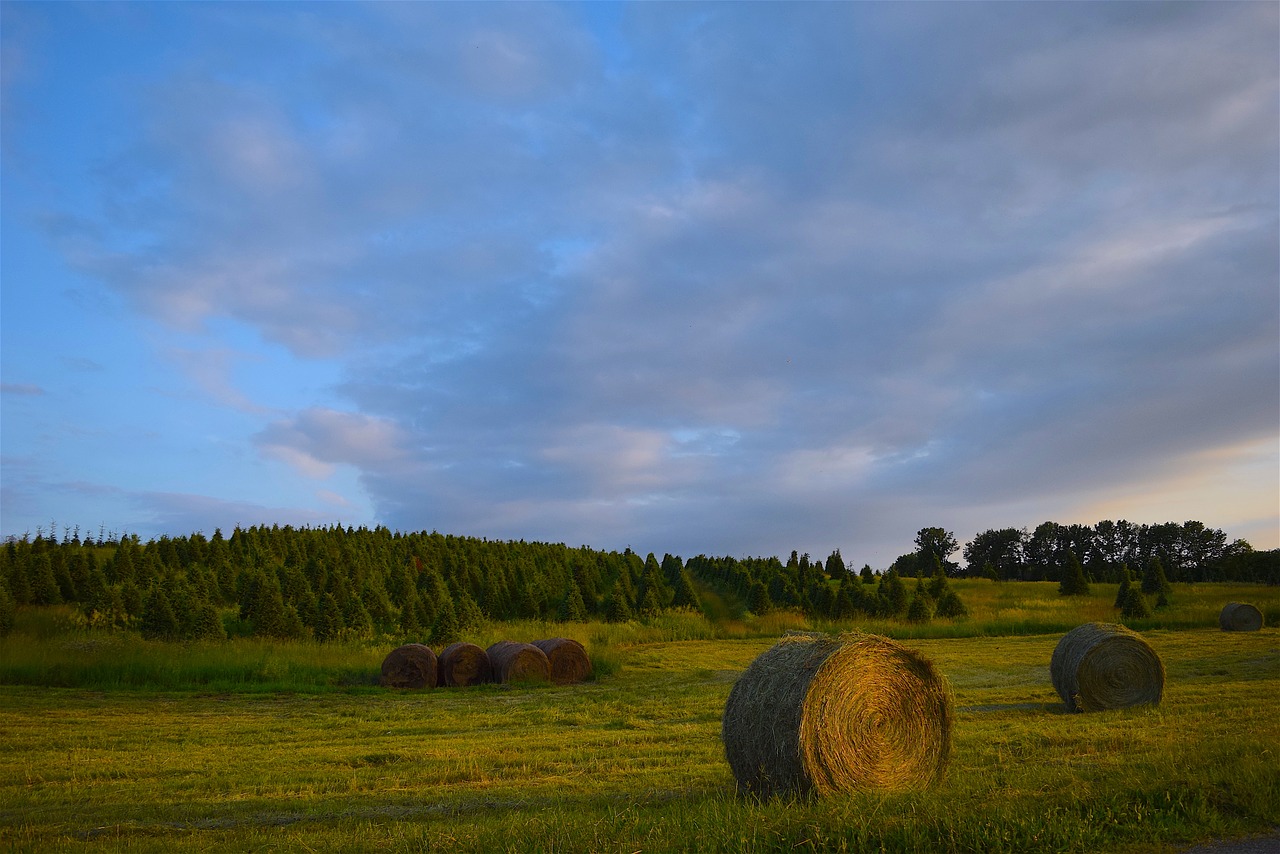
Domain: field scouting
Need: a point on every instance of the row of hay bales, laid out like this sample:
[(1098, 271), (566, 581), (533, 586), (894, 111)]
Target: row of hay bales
[(817, 715), (561, 661)]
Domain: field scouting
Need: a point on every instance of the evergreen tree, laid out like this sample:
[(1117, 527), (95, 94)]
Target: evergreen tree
[(44, 587), (8, 608), (266, 609), (868, 577), (921, 608), (758, 601), (616, 608), (892, 595), (329, 625), (1126, 582), (158, 621), (1162, 601), (1135, 605), (1154, 580), (685, 595), (989, 571), (950, 606), (844, 607), (445, 631), (206, 624), (1073, 581), (468, 613), (572, 608), (938, 581)]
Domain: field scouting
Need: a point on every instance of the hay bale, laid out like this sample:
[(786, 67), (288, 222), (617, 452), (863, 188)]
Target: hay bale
[(523, 662), (463, 664), (819, 715), (569, 660), (1240, 617), (1103, 666), (410, 666)]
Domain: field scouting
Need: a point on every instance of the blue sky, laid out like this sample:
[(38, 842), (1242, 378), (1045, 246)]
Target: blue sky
[(724, 279)]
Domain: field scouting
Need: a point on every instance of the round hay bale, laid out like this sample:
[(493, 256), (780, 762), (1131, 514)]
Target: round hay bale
[(463, 664), (1104, 666), (819, 715), (569, 660), (523, 662), (1240, 617), (410, 666)]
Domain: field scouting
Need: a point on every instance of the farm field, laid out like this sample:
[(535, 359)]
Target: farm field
[(632, 761)]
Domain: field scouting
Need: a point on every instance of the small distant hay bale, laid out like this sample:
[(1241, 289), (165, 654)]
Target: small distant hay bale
[(816, 715), (463, 664), (1240, 617), (1100, 666), (518, 662), (569, 660), (410, 666)]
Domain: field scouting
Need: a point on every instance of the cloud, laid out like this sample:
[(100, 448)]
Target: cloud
[(22, 389), (317, 439), (724, 277)]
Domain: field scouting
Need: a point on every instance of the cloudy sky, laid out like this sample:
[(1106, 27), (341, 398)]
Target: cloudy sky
[(724, 279)]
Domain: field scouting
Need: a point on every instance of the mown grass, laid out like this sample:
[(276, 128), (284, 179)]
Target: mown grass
[(253, 745)]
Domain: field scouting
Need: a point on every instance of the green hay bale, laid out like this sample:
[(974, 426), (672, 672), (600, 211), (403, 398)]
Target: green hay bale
[(816, 715), (1100, 666), (569, 660), (463, 664), (1240, 617), (518, 662), (410, 666)]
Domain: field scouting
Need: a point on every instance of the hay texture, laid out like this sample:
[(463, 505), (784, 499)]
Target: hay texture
[(569, 660), (518, 662), (410, 666), (1240, 617), (1101, 666), (819, 715), (463, 664)]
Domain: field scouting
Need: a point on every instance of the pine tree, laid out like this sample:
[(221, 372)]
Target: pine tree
[(1073, 581), (8, 608), (892, 595), (938, 582), (868, 577), (206, 624), (1154, 580), (445, 631), (1125, 584), (572, 608), (758, 601), (950, 606), (921, 608), (989, 571), (158, 621), (329, 623), (1135, 605), (616, 608)]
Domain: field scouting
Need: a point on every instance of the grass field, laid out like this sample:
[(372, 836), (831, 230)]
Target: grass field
[(253, 746)]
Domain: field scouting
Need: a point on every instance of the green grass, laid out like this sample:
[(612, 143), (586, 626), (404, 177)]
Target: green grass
[(249, 745)]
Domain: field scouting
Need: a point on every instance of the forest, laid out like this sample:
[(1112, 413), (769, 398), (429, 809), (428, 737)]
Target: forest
[(336, 583)]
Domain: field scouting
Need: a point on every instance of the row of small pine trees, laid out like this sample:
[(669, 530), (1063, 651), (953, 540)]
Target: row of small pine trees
[(1132, 596)]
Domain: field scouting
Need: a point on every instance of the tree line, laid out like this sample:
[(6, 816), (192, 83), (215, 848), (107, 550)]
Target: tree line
[(335, 583)]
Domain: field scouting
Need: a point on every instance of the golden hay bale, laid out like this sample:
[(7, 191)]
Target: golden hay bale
[(1240, 617), (1104, 666), (569, 660), (410, 666), (463, 664), (818, 715), (513, 661)]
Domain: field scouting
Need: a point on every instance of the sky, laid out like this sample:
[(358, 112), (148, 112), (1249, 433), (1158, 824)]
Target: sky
[(723, 279)]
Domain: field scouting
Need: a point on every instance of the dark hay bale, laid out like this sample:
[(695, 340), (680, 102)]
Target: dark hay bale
[(410, 666), (1103, 666), (820, 715), (569, 660), (1240, 617), (463, 664), (518, 662)]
